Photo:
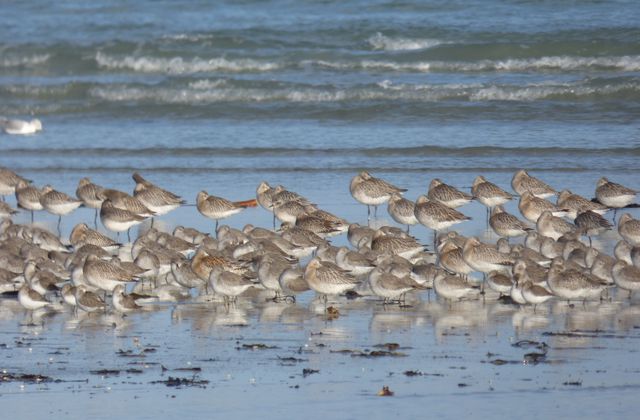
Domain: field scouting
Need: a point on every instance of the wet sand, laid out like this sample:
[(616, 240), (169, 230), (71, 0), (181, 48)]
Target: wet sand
[(264, 359)]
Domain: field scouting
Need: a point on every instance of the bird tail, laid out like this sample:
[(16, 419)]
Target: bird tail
[(246, 203)]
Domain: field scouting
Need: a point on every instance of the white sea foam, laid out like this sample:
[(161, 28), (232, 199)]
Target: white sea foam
[(382, 42), (23, 61), (213, 92), (178, 65)]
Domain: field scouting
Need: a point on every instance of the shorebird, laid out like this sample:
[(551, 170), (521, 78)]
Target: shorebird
[(353, 262), (406, 247), (452, 287), (613, 195), (505, 224), (532, 207), (372, 191), (452, 260), (89, 193), (122, 302), (15, 126), (89, 301), (626, 276), (590, 223), (356, 234), (523, 182), (485, 258), (228, 284), (30, 299), (117, 219), (156, 199), (402, 210), (288, 211), (8, 182), (28, 197), (552, 226), (292, 282), (436, 215), (622, 251), (571, 284), (185, 276), (124, 201), (269, 270), (105, 275), (6, 210), (576, 204), (629, 229), (58, 203), (499, 282), (391, 287), (327, 278), (447, 195), (217, 208), (534, 294), (488, 193), (82, 235)]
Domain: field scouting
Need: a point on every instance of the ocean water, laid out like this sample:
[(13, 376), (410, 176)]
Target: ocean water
[(219, 96)]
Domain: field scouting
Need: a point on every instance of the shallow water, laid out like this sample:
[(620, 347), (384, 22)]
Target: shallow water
[(219, 97)]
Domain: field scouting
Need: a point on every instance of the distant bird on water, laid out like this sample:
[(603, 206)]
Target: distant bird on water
[(14, 126)]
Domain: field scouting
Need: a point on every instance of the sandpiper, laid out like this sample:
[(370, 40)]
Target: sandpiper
[(591, 224), (576, 204), (485, 258), (614, 195), (356, 233), (552, 226), (523, 182), (402, 210), (534, 294), (622, 251), (505, 224), (8, 182), (89, 193), (158, 200), (88, 301), (626, 276), (629, 229), (292, 281), (118, 220), (372, 191), (488, 193), (30, 299), (436, 216), (228, 284), (328, 279), (532, 207), (269, 270), (82, 235), (123, 302), (446, 194), (217, 208), (122, 200), (185, 276), (354, 262), (28, 197), (104, 275), (452, 260), (6, 210), (390, 287), (499, 282), (58, 203), (571, 284), (406, 247), (453, 287)]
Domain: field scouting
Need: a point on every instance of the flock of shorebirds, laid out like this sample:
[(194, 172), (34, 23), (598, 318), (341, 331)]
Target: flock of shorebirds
[(90, 271)]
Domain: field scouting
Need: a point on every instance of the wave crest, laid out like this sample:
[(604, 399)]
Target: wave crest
[(178, 65)]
